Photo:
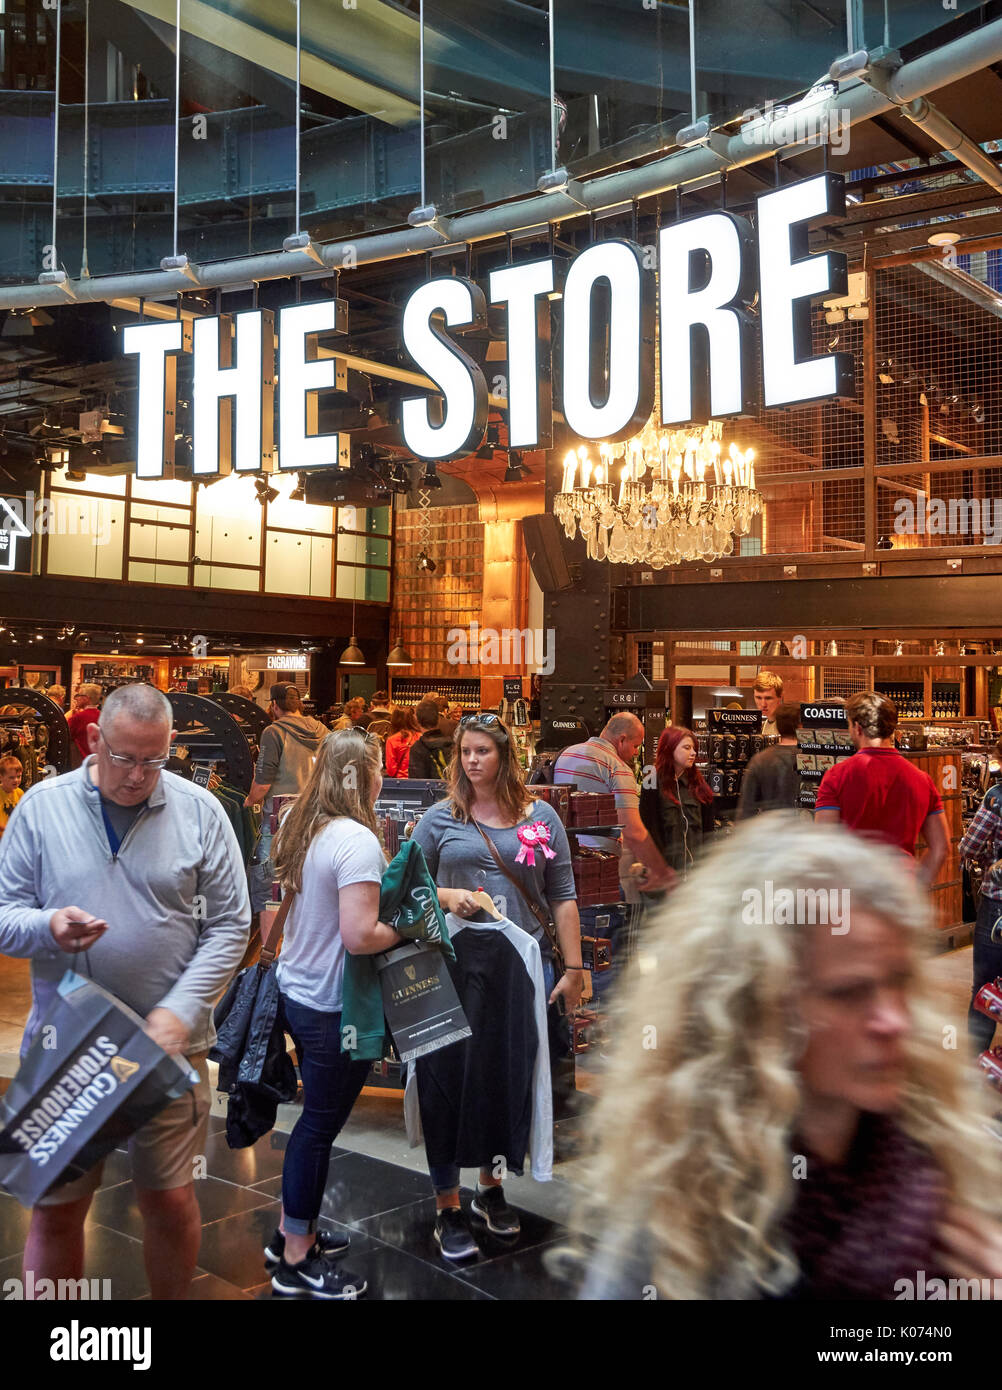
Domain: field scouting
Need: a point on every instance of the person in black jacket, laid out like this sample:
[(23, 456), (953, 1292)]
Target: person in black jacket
[(771, 781), (678, 812), (431, 753)]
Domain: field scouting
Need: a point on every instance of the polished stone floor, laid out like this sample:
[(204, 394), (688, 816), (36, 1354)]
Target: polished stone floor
[(386, 1210)]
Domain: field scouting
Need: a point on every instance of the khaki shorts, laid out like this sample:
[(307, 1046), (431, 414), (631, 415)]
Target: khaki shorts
[(163, 1152)]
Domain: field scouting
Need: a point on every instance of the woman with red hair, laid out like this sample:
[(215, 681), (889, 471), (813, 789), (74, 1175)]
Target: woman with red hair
[(678, 812)]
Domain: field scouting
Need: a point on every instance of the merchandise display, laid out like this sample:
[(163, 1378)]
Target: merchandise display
[(533, 359)]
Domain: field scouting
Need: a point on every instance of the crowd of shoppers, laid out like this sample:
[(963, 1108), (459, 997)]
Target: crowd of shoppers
[(798, 1131)]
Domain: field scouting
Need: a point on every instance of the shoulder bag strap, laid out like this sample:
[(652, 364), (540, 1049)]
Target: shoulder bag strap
[(269, 943), (537, 912)]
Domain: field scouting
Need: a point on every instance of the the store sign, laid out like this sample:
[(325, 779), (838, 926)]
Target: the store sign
[(279, 661), (709, 271)]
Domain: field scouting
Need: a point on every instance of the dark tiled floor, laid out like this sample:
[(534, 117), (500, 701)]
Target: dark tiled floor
[(385, 1209)]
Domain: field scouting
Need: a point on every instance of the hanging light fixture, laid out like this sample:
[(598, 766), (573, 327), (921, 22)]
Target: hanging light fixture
[(680, 497), (352, 654), (399, 656), (774, 648)]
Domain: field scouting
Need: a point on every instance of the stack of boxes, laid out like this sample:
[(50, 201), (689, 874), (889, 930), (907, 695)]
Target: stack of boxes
[(592, 808), (596, 877)]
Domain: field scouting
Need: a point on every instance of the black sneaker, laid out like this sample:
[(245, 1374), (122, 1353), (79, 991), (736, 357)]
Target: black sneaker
[(502, 1220), (325, 1243), (453, 1234), (317, 1278)]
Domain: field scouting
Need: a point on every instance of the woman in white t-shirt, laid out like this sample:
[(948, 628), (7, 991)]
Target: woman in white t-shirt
[(328, 854)]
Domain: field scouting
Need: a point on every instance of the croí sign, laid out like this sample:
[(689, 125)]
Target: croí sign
[(710, 268)]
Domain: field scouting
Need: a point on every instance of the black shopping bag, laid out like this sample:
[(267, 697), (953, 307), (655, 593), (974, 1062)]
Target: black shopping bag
[(90, 1079), (420, 1002)]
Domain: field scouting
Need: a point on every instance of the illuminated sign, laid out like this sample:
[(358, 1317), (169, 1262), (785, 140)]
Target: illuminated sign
[(709, 272), (289, 661)]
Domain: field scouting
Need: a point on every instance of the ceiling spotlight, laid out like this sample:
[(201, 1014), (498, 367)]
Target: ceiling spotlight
[(298, 493), (943, 238), (429, 477), (75, 475), (425, 562), (139, 641), (265, 492), (516, 470)]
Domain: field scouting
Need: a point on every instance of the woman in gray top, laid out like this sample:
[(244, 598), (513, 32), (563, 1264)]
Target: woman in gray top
[(488, 797)]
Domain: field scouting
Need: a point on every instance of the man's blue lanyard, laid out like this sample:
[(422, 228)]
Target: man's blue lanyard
[(113, 838)]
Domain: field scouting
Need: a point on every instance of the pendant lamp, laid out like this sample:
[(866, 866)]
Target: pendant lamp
[(352, 654)]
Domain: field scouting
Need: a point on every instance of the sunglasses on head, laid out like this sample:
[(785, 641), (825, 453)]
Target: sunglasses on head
[(483, 721)]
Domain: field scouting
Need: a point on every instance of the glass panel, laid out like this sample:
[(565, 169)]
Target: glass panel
[(321, 575), (161, 490), (142, 573), (81, 555), (158, 542), (487, 100), (228, 522), (297, 516), (377, 520), (360, 151), (111, 485), (361, 550), (897, 22), (779, 49), (237, 142), (298, 564), (622, 79), (351, 550), (350, 582), (116, 138), (219, 577), (173, 516), (27, 135), (377, 585)]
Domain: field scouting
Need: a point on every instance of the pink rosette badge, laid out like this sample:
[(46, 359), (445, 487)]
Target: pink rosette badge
[(533, 837)]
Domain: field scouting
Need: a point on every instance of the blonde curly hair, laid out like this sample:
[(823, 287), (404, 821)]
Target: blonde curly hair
[(699, 1106)]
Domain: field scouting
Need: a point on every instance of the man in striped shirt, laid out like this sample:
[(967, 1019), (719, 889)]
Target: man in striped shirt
[(605, 764), (982, 844)]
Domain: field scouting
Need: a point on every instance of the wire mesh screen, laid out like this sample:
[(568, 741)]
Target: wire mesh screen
[(806, 517), (842, 681), (938, 399)]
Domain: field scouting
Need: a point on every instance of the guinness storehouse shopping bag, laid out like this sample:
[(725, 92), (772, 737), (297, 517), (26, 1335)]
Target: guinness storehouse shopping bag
[(90, 1079), (420, 1002)]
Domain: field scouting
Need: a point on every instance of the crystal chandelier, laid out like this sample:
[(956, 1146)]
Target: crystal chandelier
[(678, 497)]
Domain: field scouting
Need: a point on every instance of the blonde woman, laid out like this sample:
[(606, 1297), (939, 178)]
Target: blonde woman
[(780, 1093), (328, 854)]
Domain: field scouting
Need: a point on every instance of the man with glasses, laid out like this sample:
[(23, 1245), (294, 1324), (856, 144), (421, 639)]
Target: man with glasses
[(141, 869)]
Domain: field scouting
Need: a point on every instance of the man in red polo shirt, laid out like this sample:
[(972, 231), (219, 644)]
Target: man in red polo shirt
[(880, 794)]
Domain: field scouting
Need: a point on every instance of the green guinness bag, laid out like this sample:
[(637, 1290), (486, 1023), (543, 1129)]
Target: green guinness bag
[(91, 1078)]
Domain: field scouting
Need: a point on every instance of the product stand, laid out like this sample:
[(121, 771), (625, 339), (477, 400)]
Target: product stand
[(39, 713), (212, 735)]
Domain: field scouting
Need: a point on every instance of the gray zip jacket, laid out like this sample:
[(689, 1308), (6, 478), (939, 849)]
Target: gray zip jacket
[(174, 897)]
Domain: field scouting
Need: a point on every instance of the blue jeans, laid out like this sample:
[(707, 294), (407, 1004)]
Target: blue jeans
[(445, 1177), (987, 965), (331, 1085)]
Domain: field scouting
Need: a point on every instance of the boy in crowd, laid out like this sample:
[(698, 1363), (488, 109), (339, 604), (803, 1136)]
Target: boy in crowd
[(11, 790)]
